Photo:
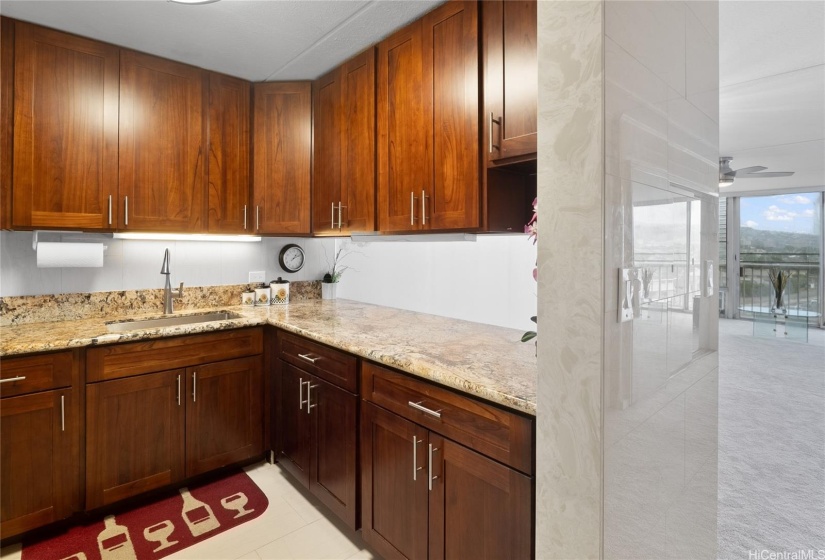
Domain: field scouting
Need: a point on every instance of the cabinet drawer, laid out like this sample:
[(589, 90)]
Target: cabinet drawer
[(35, 373), (134, 358), (497, 433), (339, 368)]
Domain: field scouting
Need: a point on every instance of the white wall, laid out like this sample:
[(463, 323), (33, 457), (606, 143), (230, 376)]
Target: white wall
[(489, 280), (135, 265)]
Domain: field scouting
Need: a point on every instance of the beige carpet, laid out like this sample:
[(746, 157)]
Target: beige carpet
[(771, 444)]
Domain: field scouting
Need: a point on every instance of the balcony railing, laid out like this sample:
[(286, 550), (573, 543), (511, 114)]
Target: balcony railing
[(802, 291)]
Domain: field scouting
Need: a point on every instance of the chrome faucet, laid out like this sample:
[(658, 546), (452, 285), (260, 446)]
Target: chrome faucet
[(168, 292)]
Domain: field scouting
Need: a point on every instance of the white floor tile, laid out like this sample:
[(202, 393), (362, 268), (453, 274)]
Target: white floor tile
[(320, 540), (11, 552)]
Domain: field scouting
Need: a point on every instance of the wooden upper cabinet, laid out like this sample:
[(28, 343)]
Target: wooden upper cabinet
[(228, 164), (6, 118), (65, 130), (344, 148), (511, 79), (161, 145), (282, 149), (428, 152)]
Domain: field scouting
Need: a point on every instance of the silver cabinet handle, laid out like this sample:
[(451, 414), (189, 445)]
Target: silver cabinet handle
[(194, 386), (424, 409), (412, 208), (126, 210), (309, 358), (244, 217), (178, 393), (13, 379), (62, 413), (110, 209), (430, 476), (332, 216), (416, 468), (498, 122), (340, 223), (257, 218), (424, 207), (310, 406), (301, 400)]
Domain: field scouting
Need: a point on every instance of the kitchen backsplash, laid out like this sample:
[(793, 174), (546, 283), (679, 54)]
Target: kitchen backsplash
[(67, 307)]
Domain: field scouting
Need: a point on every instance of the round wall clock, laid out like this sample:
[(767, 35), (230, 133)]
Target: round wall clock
[(291, 258)]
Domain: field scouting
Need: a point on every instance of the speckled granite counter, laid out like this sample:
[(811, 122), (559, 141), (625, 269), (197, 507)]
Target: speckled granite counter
[(482, 360)]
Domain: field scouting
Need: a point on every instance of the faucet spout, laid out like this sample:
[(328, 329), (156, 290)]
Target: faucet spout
[(168, 292)]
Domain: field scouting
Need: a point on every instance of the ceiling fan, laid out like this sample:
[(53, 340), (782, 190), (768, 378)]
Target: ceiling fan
[(727, 175)]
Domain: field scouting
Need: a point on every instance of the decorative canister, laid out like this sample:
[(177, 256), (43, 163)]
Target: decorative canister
[(280, 291), (248, 299), (262, 296)]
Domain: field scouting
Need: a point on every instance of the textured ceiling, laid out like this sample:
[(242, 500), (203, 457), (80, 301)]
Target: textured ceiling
[(772, 91), (256, 40)]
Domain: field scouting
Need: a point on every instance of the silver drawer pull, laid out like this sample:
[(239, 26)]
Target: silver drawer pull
[(309, 358), (310, 406), (62, 413), (416, 468), (13, 379), (430, 476), (424, 409)]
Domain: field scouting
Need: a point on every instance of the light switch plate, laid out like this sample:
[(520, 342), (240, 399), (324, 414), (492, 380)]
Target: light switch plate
[(257, 276)]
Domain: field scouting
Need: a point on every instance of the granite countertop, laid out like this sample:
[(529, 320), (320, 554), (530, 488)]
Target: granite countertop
[(482, 360)]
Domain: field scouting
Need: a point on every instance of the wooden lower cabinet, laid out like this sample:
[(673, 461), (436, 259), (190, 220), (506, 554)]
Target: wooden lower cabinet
[(224, 414), (318, 425), (135, 436), (38, 473), (151, 430), (424, 496)]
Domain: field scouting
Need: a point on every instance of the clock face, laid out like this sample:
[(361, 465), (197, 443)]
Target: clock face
[(291, 258)]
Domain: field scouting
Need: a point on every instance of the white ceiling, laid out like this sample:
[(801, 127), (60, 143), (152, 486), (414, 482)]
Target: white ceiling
[(772, 91), (772, 58), (254, 39)]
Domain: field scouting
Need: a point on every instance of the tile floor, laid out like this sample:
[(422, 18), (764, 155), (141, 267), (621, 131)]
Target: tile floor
[(294, 526)]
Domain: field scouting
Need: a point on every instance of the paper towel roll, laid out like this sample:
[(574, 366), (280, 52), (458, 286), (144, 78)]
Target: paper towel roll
[(64, 255)]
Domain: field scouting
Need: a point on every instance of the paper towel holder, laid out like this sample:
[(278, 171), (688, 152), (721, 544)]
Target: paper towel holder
[(80, 233)]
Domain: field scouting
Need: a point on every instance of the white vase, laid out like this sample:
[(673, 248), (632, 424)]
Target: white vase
[(329, 290)]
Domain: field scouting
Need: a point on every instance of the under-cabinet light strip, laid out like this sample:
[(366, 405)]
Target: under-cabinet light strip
[(188, 237)]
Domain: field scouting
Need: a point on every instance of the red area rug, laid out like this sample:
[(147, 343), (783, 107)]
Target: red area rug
[(160, 528)]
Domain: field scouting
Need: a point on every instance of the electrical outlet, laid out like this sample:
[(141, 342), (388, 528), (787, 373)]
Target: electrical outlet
[(257, 276)]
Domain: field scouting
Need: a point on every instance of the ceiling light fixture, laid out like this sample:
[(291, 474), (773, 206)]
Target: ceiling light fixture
[(193, 2)]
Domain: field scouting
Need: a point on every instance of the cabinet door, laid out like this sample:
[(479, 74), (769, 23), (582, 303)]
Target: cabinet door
[(65, 130), (228, 165), (326, 179), (478, 508), (334, 448), (511, 79), (224, 414), (451, 60), (282, 149), (6, 118), (393, 484), (161, 145), (38, 470), (134, 436), (404, 113), (293, 423), (358, 143)]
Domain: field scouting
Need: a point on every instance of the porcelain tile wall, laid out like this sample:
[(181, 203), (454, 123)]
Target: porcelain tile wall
[(571, 260), (489, 280), (660, 375), (132, 264)]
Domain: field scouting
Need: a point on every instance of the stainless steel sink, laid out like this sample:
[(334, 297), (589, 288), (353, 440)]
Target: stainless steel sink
[(175, 320)]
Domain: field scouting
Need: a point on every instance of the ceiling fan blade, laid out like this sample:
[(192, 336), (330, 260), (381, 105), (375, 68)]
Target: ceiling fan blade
[(746, 170), (765, 175)]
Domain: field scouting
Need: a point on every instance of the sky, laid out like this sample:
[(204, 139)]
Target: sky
[(790, 212)]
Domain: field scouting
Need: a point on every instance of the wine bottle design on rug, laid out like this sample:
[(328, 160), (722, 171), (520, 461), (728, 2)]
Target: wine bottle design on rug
[(114, 542), (198, 515)]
